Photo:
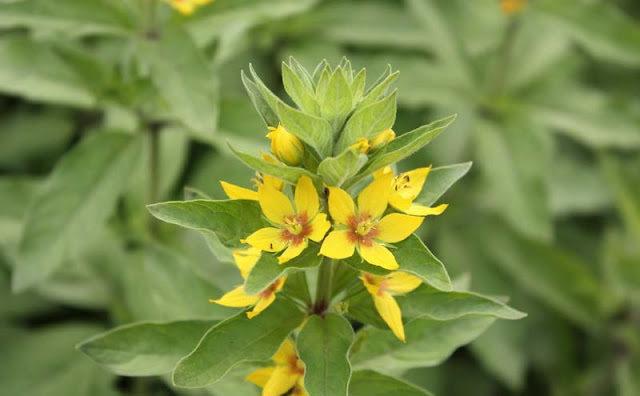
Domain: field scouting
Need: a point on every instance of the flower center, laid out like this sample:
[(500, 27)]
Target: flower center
[(296, 228), (294, 224), (364, 227)]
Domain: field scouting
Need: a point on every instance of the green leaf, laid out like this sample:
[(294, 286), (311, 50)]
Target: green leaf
[(414, 258), (302, 73), (267, 113), (267, 269), (622, 177), (368, 121), (230, 220), (336, 102), (79, 196), (358, 85), (141, 349), (236, 340), (402, 147), (267, 95), (439, 181), (371, 383), (299, 92), (323, 84), (361, 308), (314, 131), (70, 16), (323, 345), (184, 81), (429, 342), (284, 172), (454, 304), (337, 170)]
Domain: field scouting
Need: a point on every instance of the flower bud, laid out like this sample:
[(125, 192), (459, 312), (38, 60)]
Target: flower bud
[(383, 138), (286, 146), (362, 145)]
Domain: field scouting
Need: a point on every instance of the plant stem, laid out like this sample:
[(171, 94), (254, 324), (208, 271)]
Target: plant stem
[(154, 170), (324, 286)]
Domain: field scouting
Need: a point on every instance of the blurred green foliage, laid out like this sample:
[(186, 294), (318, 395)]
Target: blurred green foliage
[(104, 109)]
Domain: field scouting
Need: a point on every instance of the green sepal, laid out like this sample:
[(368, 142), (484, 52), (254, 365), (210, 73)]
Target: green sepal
[(369, 121), (337, 170)]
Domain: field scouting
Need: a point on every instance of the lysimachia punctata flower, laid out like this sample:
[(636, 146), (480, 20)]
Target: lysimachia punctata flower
[(237, 192), (364, 145), (286, 377), (293, 227), (363, 227), (383, 288), (237, 298), (405, 188), (286, 146), (187, 7)]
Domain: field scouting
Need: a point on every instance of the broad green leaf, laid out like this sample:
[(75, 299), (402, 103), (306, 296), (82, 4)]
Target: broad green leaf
[(72, 17), (323, 345), (267, 269), (144, 348), (267, 113), (184, 81), (368, 121), (402, 147), (161, 284), (314, 131), (336, 103), (302, 95), (34, 71), (337, 170), (230, 220), (429, 342), (454, 304), (439, 181), (414, 258), (236, 340), (371, 383), (287, 173), (80, 194)]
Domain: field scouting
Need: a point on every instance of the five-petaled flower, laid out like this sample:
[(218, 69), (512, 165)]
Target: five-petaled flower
[(286, 146), (383, 288), (294, 227), (405, 188), (237, 192), (187, 7), (363, 228), (286, 377), (237, 298)]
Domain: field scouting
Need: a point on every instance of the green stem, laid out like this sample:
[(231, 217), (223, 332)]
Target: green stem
[(324, 286), (154, 170)]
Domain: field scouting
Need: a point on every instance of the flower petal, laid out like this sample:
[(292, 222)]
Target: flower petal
[(419, 210), (373, 200), (376, 254), (286, 353), (319, 227), (293, 251), (389, 311), (400, 282), (268, 239), (275, 205), (246, 259), (236, 298), (396, 227), (280, 382), (306, 197), (341, 206), (262, 304), (413, 181), (400, 203), (261, 376), (237, 192), (338, 245)]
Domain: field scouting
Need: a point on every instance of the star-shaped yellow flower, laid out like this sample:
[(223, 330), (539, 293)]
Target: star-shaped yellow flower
[(383, 288), (237, 192), (362, 227), (294, 227), (187, 7), (405, 188), (237, 298), (286, 377)]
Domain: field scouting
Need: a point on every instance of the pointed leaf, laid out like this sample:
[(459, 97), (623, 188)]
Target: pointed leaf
[(378, 89), (439, 181), (371, 383), (369, 121), (298, 92), (337, 100), (267, 113), (314, 131), (336, 170)]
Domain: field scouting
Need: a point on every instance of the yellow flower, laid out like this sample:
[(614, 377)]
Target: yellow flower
[(286, 377), (295, 227), (286, 146), (383, 288), (405, 188), (512, 6), (237, 192), (362, 145), (237, 298), (383, 138), (187, 7), (362, 227)]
